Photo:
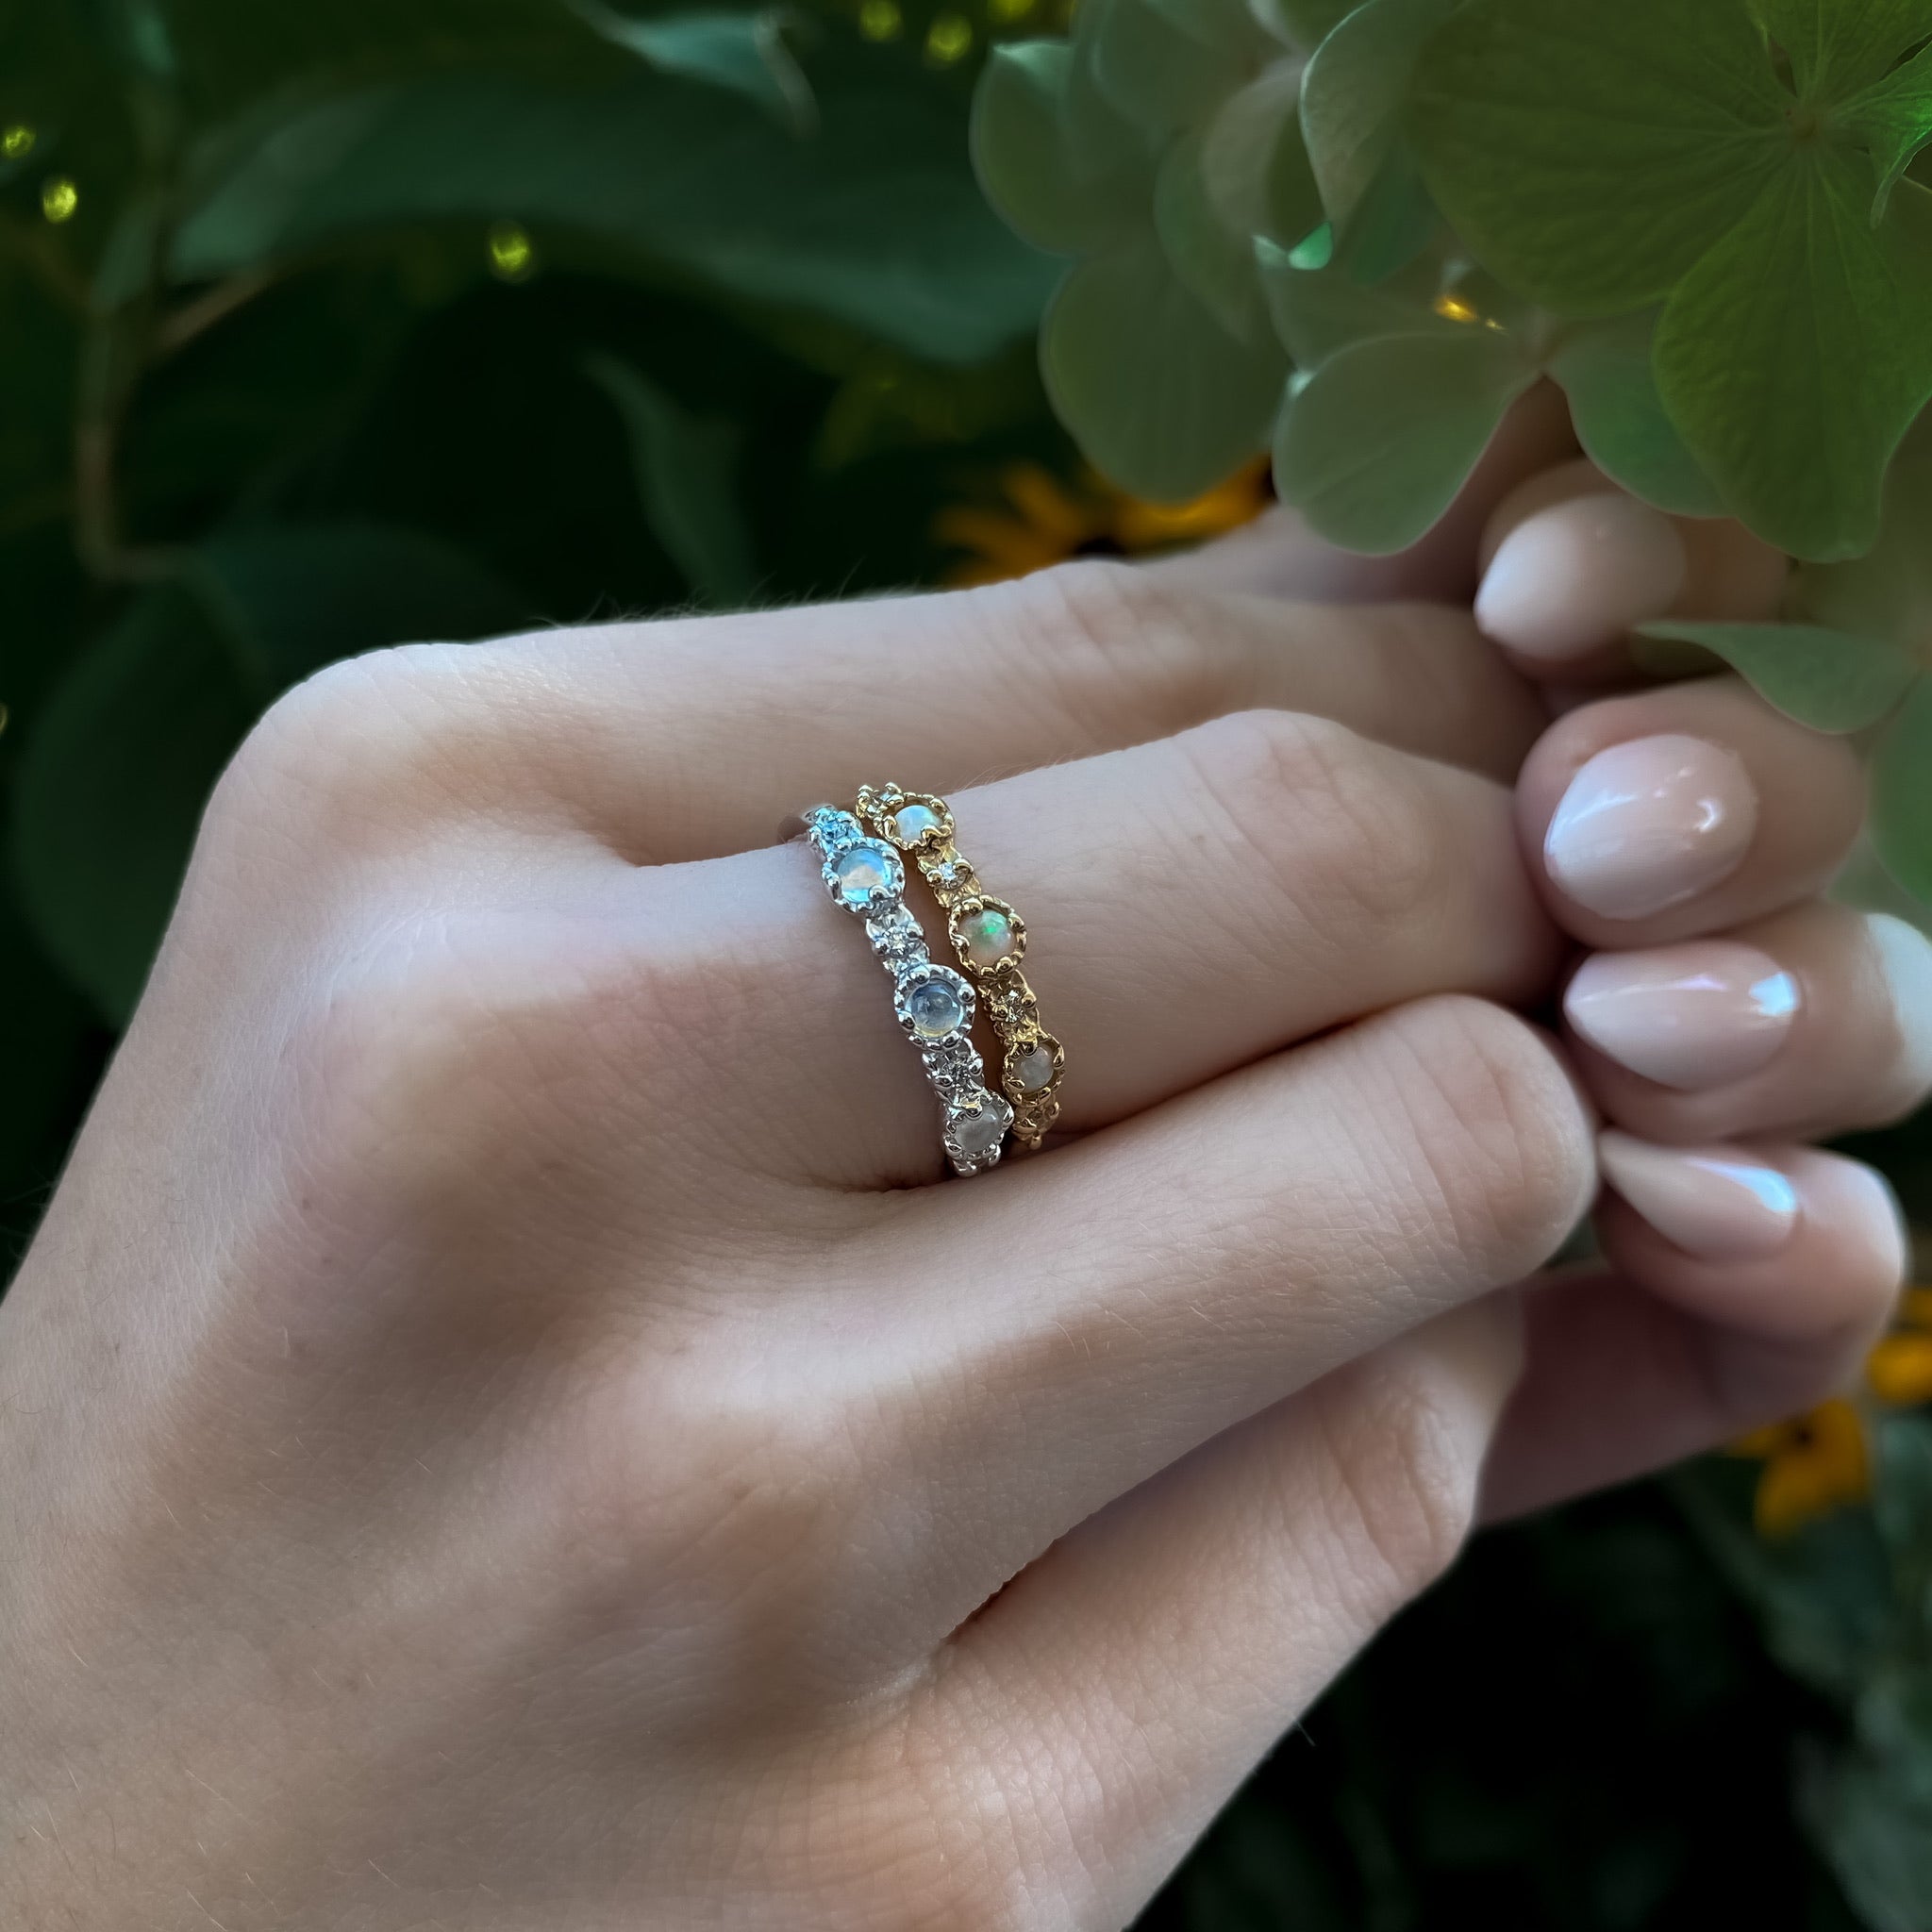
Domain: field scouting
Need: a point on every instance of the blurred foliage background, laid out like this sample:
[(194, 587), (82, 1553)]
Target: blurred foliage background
[(333, 327)]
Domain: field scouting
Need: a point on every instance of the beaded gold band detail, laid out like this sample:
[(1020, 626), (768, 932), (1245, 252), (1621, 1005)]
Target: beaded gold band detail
[(989, 940)]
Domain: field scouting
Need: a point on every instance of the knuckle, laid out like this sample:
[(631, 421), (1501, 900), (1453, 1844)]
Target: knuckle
[(1120, 653), (1405, 1470), (344, 753), (1336, 826), (1498, 1125)]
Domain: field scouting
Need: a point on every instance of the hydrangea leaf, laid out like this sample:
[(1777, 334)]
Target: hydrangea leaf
[(1604, 370), (1302, 25), (1100, 137), (1838, 45), (1374, 445), (1229, 26), (744, 52), (1887, 591), (1832, 680), (1255, 162), (1161, 78), (1319, 313), (1158, 395), (1214, 261), (1354, 93), (1794, 355), (1024, 161), (1394, 224), (1893, 117), (1590, 156), (1902, 796), (686, 469)]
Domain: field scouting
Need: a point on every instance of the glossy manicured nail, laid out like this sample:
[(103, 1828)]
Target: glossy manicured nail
[(1688, 1017), (1905, 957), (1578, 575), (1715, 1203), (1647, 825)]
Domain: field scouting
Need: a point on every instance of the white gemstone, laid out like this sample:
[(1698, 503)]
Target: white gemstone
[(913, 822), (1033, 1070), (935, 1010), (979, 1133), (862, 873), (987, 937)]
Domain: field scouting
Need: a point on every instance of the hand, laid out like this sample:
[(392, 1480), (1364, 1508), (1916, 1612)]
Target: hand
[(496, 1429)]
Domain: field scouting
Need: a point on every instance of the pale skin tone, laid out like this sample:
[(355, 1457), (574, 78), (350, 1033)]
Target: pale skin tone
[(504, 1425)]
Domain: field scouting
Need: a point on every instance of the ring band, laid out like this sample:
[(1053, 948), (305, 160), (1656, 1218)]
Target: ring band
[(934, 1004), (990, 940)]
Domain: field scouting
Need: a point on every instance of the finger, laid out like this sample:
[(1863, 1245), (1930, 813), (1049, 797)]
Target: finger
[(1810, 1024), (1192, 906), (1571, 564), (628, 725), (1278, 556), (1745, 1285), (1684, 811), (1177, 1636), (1135, 1295)]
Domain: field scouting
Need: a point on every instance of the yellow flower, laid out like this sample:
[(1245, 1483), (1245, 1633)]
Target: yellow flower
[(1822, 1460), (1045, 521), (1813, 1464), (1899, 1369)]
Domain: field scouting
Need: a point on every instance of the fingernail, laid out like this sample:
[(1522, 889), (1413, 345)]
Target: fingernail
[(1905, 957), (1578, 575), (1715, 1203), (1650, 824), (1688, 1017)]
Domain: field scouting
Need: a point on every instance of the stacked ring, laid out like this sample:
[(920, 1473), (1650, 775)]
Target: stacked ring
[(990, 940), (934, 1005)]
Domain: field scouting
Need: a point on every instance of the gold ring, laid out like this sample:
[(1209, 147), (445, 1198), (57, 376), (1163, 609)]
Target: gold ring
[(990, 940)]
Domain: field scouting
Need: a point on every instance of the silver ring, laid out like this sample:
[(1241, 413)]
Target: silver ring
[(934, 1005)]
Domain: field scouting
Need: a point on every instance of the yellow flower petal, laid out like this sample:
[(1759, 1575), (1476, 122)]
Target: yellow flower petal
[(1899, 1369), (1825, 1464)]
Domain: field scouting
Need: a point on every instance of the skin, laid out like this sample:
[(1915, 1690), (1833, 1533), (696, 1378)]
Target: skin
[(500, 1428)]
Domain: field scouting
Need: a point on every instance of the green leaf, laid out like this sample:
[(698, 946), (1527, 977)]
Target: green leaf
[(118, 762), (875, 221), (1796, 355), (1887, 591), (1158, 396), (1372, 449), (1255, 163), (686, 470), (1160, 78), (1590, 156), (1893, 117), (1318, 312), (1302, 24), (1605, 370), (1355, 93), (1214, 261), (1832, 680), (1026, 165), (1838, 45), (1228, 27), (744, 52), (1902, 796)]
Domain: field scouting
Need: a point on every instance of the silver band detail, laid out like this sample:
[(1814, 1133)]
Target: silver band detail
[(934, 1005)]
